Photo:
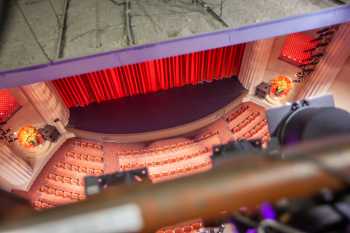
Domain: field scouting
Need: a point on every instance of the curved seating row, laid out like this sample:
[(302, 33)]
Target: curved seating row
[(235, 113), (246, 122), (168, 159), (61, 193), (84, 157), (130, 163), (42, 204), (80, 169), (187, 227), (175, 170), (251, 117), (153, 148), (254, 130), (165, 158), (64, 179), (86, 144)]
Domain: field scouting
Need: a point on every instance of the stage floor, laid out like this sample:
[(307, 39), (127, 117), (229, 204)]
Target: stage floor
[(156, 111)]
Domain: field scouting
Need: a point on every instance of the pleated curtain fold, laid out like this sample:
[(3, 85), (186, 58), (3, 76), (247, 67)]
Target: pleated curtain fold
[(150, 76)]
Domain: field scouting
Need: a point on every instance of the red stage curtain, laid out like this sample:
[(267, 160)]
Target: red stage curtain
[(150, 76)]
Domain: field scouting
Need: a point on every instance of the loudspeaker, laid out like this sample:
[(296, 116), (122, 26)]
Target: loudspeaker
[(50, 133), (262, 90)]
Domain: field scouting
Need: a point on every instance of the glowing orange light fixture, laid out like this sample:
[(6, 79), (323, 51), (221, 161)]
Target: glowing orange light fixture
[(29, 137), (281, 86)]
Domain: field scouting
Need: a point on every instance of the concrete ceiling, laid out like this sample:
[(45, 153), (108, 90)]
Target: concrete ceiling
[(32, 34)]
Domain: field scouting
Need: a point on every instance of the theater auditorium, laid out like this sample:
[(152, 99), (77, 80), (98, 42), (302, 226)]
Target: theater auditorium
[(164, 114)]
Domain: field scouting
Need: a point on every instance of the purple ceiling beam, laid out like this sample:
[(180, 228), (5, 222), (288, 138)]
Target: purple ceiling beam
[(137, 54)]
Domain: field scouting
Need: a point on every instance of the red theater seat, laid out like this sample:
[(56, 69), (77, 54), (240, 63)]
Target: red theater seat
[(61, 182)]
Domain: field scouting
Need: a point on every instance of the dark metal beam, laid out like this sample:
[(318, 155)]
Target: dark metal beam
[(212, 12), (98, 27), (128, 25), (61, 40)]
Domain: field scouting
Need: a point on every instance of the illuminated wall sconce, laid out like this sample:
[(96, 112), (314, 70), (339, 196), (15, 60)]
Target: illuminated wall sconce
[(281, 86)]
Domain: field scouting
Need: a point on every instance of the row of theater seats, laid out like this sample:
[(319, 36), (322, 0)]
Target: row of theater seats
[(131, 163), (254, 132), (248, 120), (162, 148), (42, 204), (159, 154), (62, 180), (79, 169), (236, 112), (84, 157), (86, 144), (159, 174), (188, 227), (171, 158), (61, 192), (168, 159)]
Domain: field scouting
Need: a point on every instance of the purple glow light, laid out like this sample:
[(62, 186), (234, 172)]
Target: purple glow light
[(267, 211), (251, 230)]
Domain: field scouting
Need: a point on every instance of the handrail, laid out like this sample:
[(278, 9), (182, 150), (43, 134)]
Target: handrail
[(245, 180)]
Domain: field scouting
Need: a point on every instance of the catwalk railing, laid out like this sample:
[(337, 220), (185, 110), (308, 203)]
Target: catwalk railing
[(245, 180)]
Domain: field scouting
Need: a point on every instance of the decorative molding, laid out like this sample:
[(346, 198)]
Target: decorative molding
[(47, 102), (254, 63), (330, 65), (14, 171)]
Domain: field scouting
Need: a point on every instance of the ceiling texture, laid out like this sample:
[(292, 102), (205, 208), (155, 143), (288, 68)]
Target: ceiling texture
[(42, 31)]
